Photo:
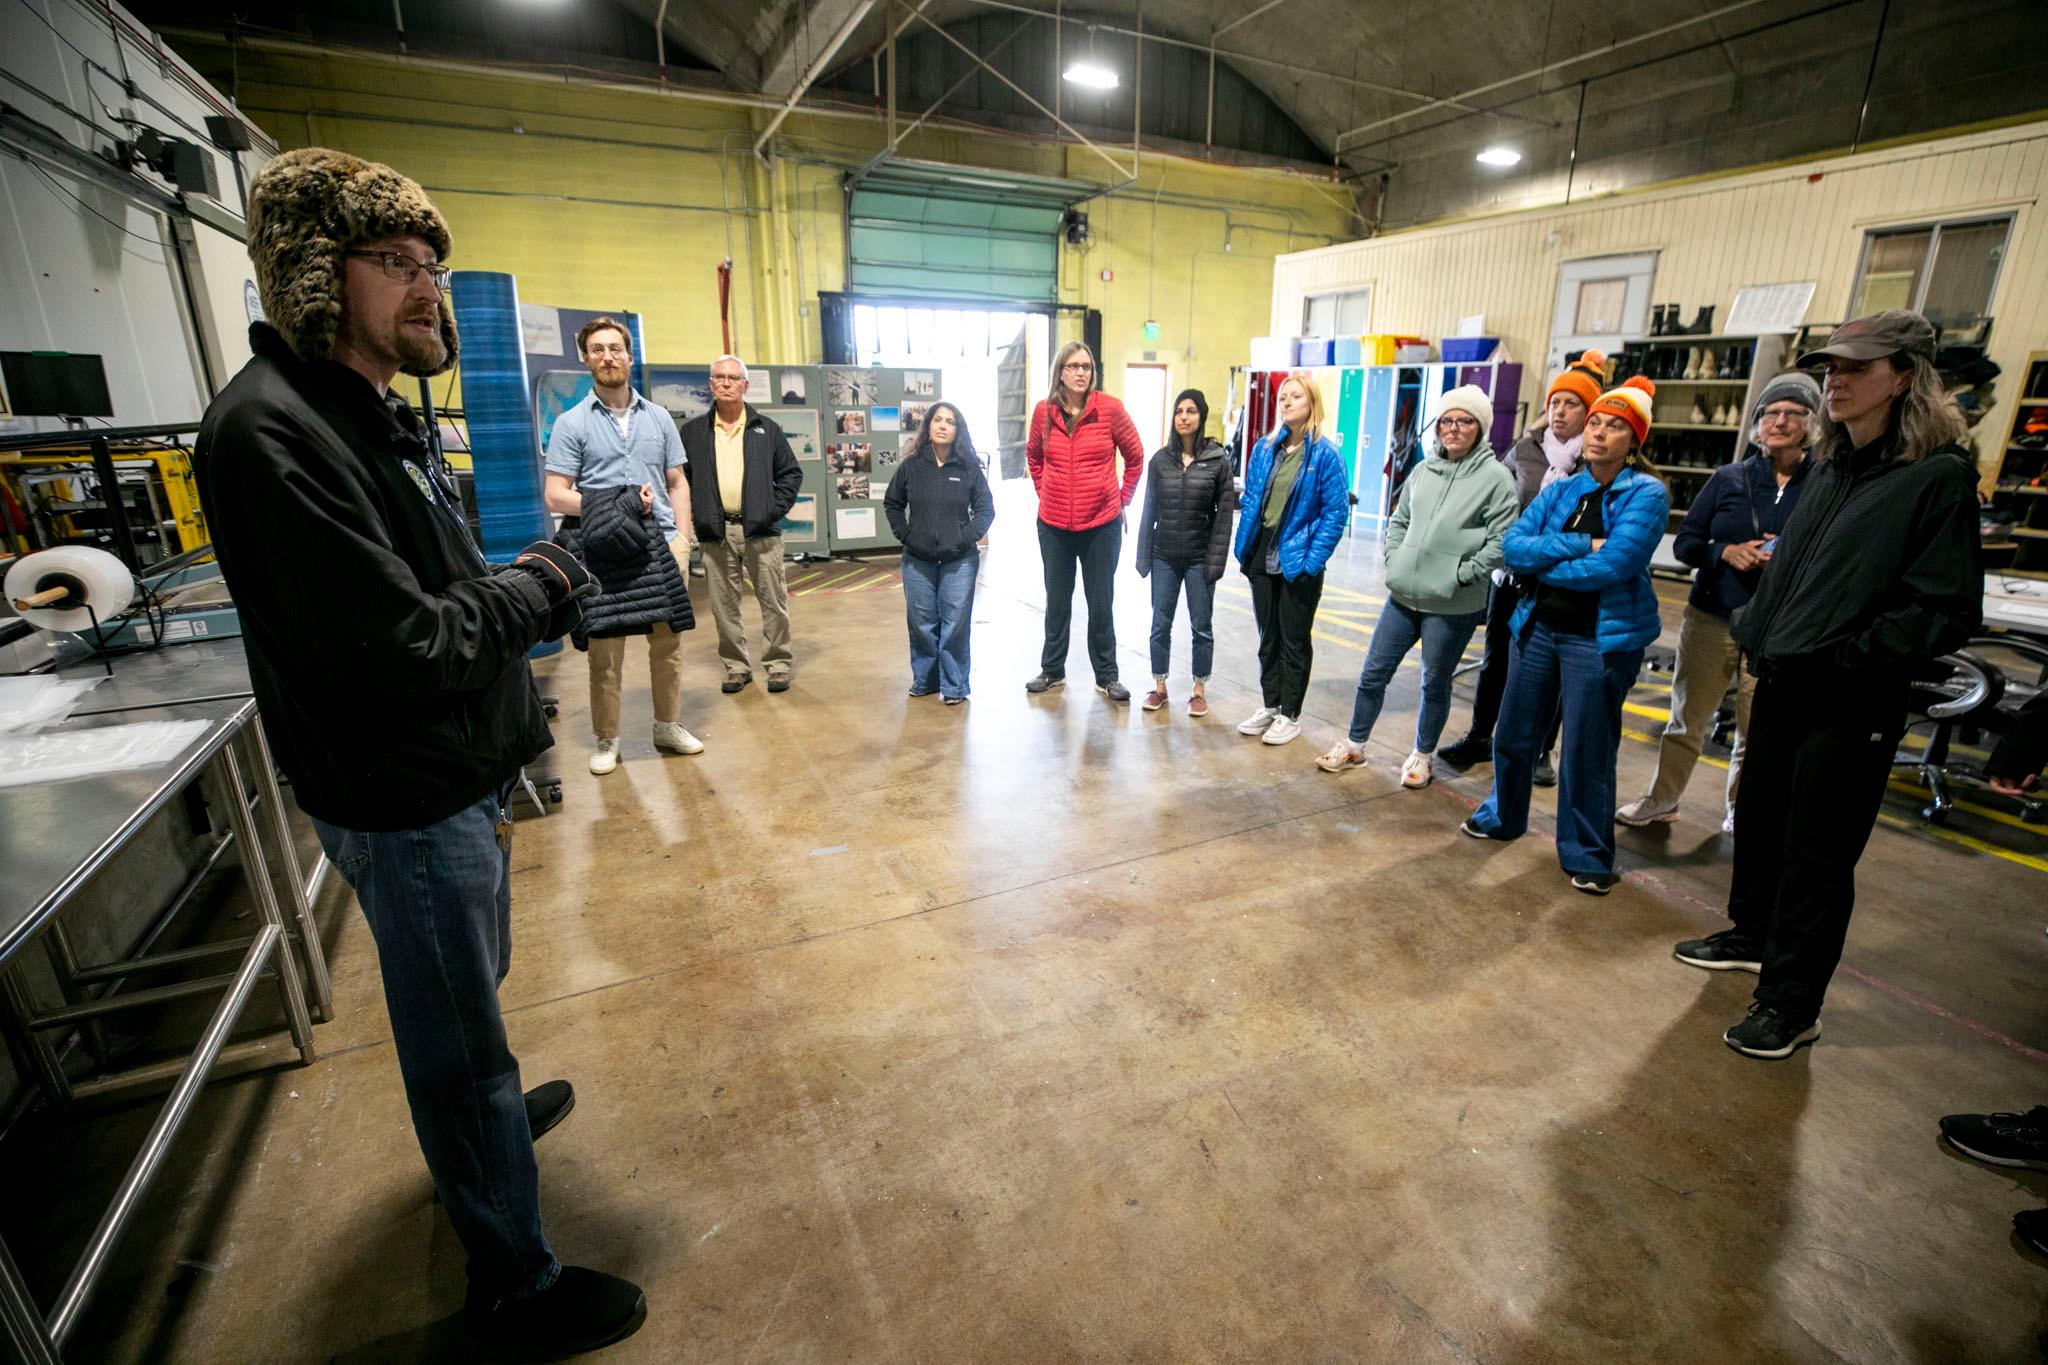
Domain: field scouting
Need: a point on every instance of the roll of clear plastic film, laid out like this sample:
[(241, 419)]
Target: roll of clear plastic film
[(53, 589)]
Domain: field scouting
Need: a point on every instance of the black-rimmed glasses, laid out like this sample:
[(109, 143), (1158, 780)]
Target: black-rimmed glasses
[(404, 269)]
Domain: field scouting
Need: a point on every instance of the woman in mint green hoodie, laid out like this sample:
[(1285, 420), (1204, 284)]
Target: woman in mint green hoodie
[(1443, 544)]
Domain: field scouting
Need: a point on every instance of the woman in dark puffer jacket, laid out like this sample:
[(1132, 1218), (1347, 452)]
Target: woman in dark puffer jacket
[(939, 507), (1184, 542)]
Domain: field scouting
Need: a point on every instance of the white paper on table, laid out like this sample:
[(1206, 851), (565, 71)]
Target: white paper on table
[(39, 701), (26, 759), (853, 523)]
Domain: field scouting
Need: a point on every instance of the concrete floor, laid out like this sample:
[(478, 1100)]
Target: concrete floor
[(1042, 1029)]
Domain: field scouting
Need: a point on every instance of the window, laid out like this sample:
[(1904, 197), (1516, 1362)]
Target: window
[(1945, 270), (1599, 308), (1337, 315)]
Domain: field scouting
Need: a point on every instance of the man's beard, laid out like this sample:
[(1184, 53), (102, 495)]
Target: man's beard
[(420, 353)]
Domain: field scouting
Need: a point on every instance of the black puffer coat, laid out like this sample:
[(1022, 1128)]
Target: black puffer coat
[(1188, 511), (639, 582)]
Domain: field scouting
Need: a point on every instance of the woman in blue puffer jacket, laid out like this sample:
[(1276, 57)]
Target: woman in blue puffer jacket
[(1297, 500), (1584, 546)]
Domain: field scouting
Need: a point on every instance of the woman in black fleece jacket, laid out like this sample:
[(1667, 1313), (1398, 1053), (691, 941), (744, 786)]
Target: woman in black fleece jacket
[(1876, 572), (1184, 541), (939, 506)]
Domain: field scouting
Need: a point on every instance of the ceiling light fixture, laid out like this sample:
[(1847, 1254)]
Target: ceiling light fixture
[(1094, 75), (1089, 72), (1499, 156)]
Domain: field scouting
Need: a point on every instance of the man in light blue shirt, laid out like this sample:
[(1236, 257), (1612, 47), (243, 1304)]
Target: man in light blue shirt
[(617, 439)]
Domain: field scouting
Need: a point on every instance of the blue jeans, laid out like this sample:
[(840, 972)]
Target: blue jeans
[(938, 600), (1443, 643), (1549, 668), (439, 903), (1167, 582)]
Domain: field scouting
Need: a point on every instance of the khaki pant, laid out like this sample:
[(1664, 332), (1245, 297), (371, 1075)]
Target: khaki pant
[(664, 670), (727, 566), (1707, 659)]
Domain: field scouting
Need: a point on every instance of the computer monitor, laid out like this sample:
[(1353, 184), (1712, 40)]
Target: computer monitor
[(55, 384)]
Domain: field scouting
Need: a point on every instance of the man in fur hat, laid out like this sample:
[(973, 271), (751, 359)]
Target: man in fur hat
[(389, 662)]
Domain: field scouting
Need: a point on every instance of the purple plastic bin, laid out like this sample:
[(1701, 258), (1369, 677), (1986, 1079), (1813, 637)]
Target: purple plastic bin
[(1467, 350)]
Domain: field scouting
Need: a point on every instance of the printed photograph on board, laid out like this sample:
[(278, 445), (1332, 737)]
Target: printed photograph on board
[(848, 457), (800, 527), (911, 417), (801, 426), (851, 423), (792, 386), (848, 388), (883, 419), (854, 488), (920, 384)]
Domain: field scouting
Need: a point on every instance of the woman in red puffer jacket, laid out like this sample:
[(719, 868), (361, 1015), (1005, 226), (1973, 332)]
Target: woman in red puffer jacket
[(1076, 435)]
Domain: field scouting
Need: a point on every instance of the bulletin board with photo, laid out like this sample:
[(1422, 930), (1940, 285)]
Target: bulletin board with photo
[(850, 428)]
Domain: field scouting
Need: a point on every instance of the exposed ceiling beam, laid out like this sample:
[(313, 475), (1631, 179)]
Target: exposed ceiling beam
[(1458, 101), (1245, 19), (847, 24), (785, 56), (706, 33)]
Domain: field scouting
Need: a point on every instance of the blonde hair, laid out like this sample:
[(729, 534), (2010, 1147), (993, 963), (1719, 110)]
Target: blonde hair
[(1925, 415), (1059, 365), (1314, 426)]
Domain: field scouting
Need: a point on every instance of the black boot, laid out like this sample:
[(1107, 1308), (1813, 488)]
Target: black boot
[(1466, 752), (1703, 324), (583, 1310)]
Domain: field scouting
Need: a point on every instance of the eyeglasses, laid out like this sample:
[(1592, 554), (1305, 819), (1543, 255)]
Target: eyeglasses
[(1459, 420), (1784, 414), (728, 379), (1078, 367), (614, 350), (404, 269)]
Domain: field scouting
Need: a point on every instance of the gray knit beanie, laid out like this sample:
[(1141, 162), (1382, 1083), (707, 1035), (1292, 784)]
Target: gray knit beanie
[(1793, 386)]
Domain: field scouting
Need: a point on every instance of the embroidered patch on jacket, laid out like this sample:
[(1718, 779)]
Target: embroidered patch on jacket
[(419, 479)]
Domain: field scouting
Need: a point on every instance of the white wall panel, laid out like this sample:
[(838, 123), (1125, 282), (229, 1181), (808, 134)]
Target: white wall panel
[(1801, 222)]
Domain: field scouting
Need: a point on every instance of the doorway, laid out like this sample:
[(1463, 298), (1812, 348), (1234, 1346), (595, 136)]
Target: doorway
[(981, 355), (1145, 399), (1601, 302)]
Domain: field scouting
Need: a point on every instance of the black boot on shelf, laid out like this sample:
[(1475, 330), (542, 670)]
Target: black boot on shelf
[(1703, 323)]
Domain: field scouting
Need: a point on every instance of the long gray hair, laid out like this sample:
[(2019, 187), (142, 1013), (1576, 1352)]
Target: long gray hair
[(1924, 416)]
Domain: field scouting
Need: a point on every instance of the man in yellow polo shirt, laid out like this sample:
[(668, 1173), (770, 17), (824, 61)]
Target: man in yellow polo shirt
[(744, 478)]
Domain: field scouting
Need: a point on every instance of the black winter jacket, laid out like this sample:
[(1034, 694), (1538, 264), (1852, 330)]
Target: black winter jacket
[(638, 581), (1738, 503), (768, 489), (1878, 569), (389, 659), (1188, 511), (1526, 461), (939, 510)]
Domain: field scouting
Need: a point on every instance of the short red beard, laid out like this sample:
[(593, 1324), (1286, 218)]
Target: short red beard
[(420, 354)]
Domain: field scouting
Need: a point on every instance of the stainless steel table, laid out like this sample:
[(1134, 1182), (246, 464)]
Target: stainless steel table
[(211, 670), (54, 839)]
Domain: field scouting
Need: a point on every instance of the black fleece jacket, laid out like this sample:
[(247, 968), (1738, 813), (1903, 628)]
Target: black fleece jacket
[(389, 659), (768, 488), (1188, 511), (1876, 571), (939, 510)]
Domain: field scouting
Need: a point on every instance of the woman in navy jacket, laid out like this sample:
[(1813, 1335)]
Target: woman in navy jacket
[(1584, 547), (1297, 500), (939, 507), (1728, 535)]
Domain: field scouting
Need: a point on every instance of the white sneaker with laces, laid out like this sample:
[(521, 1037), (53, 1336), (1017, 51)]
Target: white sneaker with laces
[(1342, 756), (606, 757), (1283, 729), (1418, 771), (1646, 810), (669, 734), (1257, 721)]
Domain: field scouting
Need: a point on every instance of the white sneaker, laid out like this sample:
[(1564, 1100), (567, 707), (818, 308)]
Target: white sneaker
[(1257, 721), (1728, 823), (670, 734), (1644, 811), (1417, 771), (1283, 729), (606, 758), (1341, 756)]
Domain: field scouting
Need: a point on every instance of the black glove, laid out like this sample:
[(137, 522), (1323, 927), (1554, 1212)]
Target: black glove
[(564, 579)]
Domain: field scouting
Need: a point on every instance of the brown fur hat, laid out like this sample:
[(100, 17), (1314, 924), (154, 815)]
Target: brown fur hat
[(309, 206)]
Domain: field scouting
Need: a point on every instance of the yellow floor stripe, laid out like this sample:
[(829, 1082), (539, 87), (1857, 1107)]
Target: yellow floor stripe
[(802, 579)]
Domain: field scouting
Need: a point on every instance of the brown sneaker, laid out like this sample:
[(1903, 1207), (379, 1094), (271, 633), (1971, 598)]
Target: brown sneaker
[(1155, 699), (1198, 706)]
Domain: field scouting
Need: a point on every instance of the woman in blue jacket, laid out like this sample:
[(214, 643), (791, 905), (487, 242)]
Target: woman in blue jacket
[(1297, 499), (1584, 546)]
